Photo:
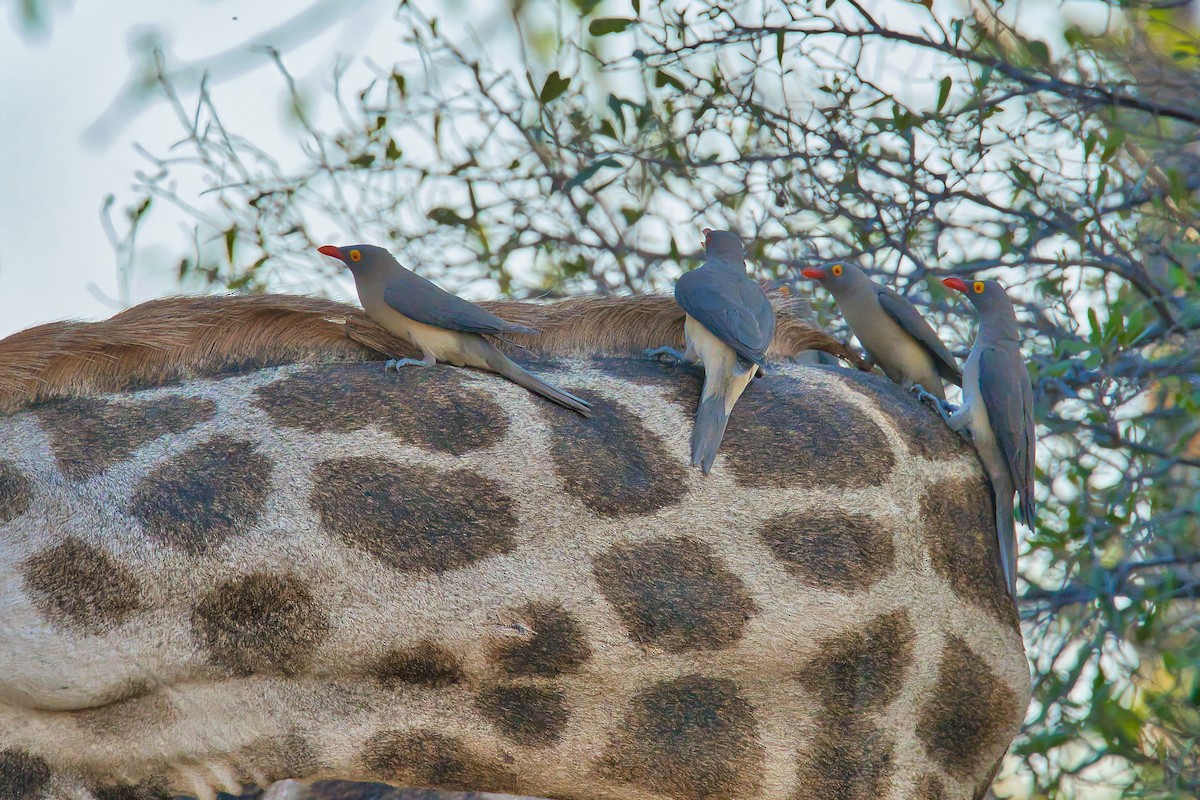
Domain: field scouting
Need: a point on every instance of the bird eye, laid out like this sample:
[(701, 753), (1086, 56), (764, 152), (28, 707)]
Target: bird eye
[(356, 256), (837, 270), (978, 287)]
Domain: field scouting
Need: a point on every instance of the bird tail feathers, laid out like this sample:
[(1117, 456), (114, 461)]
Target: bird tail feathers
[(1007, 536), (505, 366), (709, 429)]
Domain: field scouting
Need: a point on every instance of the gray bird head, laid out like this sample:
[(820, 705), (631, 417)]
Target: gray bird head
[(992, 302), (724, 246), (839, 277), (362, 259)]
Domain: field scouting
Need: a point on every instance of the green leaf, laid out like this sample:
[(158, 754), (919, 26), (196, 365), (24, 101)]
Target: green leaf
[(662, 79), (1115, 140), (364, 161), (637, 6), (554, 86), (607, 25), (400, 81), (780, 36), (944, 91), (1039, 50), (447, 216), (589, 171), (1094, 322), (239, 283), (230, 238)]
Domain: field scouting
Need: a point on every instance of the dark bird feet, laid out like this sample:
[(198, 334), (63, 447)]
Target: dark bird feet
[(397, 363), (924, 396), (943, 409), (668, 354)]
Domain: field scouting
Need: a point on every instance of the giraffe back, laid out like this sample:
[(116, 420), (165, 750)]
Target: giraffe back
[(433, 578)]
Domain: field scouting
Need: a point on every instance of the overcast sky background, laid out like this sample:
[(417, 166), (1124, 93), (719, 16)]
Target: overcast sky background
[(55, 261)]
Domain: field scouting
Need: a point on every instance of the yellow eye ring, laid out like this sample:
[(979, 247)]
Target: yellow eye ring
[(356, 256), (978, 287), (837, 270)]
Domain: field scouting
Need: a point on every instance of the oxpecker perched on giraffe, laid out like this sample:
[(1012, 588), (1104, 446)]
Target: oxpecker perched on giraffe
[(444, 326), (997, 410), (728, 326), (890, 328)]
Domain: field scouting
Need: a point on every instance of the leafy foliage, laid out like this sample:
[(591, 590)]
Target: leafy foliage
[(929, 147)]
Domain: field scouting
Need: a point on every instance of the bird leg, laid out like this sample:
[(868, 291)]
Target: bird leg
[(944, 409), (396, 364), (924, 396), (666, 354)]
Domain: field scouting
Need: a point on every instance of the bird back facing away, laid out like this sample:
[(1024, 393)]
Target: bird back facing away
[(729, 325)]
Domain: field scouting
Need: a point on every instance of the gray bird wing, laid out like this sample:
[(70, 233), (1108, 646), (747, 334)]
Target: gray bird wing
[(425, 301), (896, 306), (732, 307), (1008, 397)]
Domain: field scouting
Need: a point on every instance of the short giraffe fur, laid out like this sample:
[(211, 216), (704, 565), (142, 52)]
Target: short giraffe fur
[(319, 570)]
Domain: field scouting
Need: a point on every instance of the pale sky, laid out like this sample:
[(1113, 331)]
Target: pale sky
[(55, 261)]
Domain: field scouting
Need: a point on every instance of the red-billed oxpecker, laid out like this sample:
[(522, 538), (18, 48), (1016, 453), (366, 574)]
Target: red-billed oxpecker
[(997, 410), (443, 326), (890, 328), (728, 325)]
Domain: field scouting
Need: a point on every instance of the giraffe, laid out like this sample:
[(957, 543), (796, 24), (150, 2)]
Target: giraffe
[(235, 551)]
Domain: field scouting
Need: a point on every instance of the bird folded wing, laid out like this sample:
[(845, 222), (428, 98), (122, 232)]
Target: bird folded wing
[(425, 302)]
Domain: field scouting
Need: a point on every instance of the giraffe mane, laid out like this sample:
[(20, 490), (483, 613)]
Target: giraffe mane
[(176, 338)]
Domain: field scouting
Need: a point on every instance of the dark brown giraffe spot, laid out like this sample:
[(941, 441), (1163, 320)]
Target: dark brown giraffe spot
[(680, 383), (788, 432), (556, 644), (920, 427), (426, 758), (692, 738), (134, 715), (830, 549), (279, 758), (414, 519), (613, 463), (674, 594), (439, 409), (424, 664), (89, 435), (930, 787), (849, 758), (970, 714), (863, 669), (960, 531), (78, 585), (981, 788), (261, 623), (129, 791), (16, 492), (203, 495), (529, 715), (23, 775)]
